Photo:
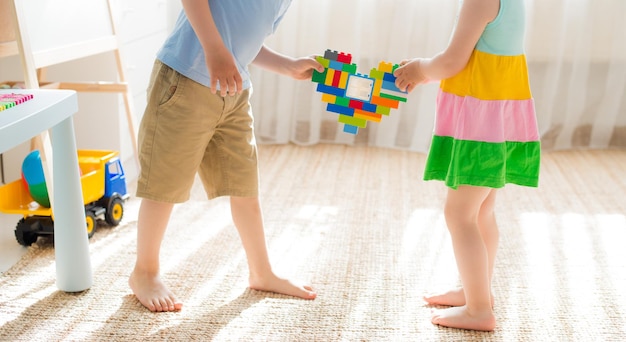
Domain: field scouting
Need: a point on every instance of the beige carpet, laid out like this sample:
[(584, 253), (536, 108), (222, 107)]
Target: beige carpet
[(369, 235)]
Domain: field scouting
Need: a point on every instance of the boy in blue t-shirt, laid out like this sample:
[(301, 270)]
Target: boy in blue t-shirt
[(198, 120)]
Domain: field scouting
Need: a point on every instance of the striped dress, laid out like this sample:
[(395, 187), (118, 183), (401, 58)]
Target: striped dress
[(485, 129)]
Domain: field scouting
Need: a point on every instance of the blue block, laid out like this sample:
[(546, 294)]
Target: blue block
[(391, 86), (350, 129), (336, 65), (389, 77), (369, 107), (340, 109), (322, 88)]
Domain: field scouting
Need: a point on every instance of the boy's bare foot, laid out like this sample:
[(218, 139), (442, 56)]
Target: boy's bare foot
[(454, 297), (283, 286), (152, 293), (460, 317)]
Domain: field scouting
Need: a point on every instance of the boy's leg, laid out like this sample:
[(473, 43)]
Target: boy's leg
[(144, 280), (248, 219), (461, 212), (489, 231), (172, 136)]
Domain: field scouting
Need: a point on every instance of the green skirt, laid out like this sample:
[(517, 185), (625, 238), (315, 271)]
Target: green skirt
[(465, 162)]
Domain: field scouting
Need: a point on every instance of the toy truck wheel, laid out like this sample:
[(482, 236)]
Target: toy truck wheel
[(22, 235), (92, 224), (115, 211)]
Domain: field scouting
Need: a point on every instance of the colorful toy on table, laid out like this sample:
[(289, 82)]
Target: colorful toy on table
[(34, 180), (357, 98), (11, 100)]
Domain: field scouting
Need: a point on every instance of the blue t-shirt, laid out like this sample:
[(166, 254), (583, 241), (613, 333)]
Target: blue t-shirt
[(243, 25)]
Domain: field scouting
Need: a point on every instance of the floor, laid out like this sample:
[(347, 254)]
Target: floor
[(10, 250), (369, 235)]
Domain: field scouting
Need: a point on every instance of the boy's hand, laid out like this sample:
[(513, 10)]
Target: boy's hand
[(302, 68), (223, 71), (409, 75)]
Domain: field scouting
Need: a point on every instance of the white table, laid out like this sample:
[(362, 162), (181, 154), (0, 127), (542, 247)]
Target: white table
[(52, 109)]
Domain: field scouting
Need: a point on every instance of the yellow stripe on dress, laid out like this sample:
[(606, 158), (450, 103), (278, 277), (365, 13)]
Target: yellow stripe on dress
[(491, 77)]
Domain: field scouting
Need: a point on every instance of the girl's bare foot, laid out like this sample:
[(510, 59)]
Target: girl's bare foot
[(282, 286), (460, 317), (152, 293), (454, 297)]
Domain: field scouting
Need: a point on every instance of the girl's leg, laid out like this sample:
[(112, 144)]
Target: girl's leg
[(144, 280), (246, 212), (489, 232), (461, 211)]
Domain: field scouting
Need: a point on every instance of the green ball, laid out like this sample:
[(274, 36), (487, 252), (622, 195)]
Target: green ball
[(39, 192)]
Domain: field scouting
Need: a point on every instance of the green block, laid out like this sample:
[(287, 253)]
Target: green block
[(376, 74), (350, 120), (349, 68), (319, 77), (383, 110), (7, 105), (391, 97), (323, 61), (342, 101)]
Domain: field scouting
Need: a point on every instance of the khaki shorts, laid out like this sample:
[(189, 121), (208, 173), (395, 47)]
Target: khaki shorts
[(187, 130)]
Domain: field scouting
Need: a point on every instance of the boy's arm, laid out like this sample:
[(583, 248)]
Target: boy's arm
[(473, 18), (298, 68), (220, 62)]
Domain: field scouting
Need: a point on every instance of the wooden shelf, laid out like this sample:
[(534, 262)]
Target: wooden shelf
[(38, 33)]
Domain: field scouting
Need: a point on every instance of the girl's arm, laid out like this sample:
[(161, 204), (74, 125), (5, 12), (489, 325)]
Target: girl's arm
[(298, 68), (220, 62), (473, 18)]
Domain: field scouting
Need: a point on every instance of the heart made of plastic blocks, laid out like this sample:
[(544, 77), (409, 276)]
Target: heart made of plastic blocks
[(357, 98)]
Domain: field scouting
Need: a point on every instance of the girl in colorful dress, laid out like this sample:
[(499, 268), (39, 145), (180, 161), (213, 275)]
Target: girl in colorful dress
[(485, 136)]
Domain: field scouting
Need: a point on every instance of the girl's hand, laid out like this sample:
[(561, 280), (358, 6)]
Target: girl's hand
[(409, 74)]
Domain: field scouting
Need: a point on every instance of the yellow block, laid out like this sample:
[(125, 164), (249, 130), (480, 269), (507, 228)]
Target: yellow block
[(385, 67), (367, 115), (377, 85), (330, 75), (328, 98), (343, 80)]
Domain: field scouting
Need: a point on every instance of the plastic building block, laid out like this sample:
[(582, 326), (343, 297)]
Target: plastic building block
[(331, 55), (344, 58), (350, 129), (350, 68), (11, 100), (356, 98)]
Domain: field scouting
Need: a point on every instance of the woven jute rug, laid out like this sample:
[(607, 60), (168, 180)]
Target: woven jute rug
[(368, 234)]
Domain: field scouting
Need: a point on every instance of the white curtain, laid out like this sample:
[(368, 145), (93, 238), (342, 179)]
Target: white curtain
[(576, 51)]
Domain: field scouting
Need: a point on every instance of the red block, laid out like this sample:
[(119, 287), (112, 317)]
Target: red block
[(355, 104), (344, 58), (336, 78)]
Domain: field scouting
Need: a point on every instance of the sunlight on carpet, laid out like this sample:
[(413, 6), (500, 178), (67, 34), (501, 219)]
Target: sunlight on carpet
[(371, 241)]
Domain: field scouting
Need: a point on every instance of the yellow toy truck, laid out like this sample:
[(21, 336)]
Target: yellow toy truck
[(104, 192)]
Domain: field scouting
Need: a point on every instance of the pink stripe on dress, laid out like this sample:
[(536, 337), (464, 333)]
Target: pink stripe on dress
[(468, 118)]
